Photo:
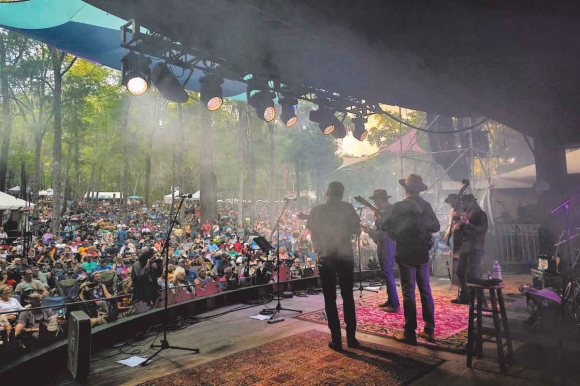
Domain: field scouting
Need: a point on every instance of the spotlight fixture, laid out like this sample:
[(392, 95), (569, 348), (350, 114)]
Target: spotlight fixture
[(167, 84), (288, 115), (339, 130), (211, 92), (264, 105), (360, 132), (324, 118), (136, 73)]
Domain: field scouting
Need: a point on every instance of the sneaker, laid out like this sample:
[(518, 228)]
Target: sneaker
[(353, 343), (460, 300), (335, 346), (427, 337), (402, 337)]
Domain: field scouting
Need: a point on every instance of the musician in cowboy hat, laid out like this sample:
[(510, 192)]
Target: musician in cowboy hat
[(385, 251), (411, 224)]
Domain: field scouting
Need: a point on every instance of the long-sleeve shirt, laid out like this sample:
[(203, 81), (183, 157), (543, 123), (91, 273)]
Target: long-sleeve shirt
[(332, 225), (411, 223), (474, 232)]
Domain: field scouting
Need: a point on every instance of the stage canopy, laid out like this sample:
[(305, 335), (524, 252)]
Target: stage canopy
[(10, 202), (452, 58), (104, 195)]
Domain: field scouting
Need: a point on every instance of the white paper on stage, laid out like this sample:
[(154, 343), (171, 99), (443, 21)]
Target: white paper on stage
[(372, 288), (260, 317), (132, 362)]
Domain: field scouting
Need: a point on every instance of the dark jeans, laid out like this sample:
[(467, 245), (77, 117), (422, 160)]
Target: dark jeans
[(468, 269), (419, 274), (330, 268), (387, 263)]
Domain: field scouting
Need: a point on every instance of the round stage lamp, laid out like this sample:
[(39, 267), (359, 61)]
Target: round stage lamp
[(211, 92), (324, 118), (359, 132), (326, 128), (136, 74), (264, 105), (339, 129), (288, 116)]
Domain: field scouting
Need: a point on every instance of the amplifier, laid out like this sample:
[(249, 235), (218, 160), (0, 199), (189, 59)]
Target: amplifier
[(547, 263), (543, 279), (79, 345)]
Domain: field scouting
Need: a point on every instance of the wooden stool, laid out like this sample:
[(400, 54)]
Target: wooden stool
[(475, 334)]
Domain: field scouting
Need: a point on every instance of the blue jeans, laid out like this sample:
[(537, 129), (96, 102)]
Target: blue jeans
[(411, 274), (385, 253)]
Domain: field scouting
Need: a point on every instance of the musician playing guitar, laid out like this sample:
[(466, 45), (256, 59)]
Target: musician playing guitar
[(385, 250)]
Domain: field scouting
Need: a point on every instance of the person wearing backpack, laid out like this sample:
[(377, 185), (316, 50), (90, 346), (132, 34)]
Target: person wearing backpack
[(411, 224)]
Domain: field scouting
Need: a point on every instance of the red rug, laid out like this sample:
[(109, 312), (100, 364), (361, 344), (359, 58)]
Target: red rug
[(450, 319), (305, 359)]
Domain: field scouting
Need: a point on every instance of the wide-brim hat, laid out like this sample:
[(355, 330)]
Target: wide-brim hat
[(451, 197), (379, 195), (413, 183)]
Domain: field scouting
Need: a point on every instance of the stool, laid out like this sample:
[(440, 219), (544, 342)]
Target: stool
[(476, 314)]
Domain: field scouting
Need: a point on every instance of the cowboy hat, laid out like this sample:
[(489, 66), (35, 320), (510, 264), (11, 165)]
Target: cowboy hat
[(451, 197), (379, 195), (413, 183)]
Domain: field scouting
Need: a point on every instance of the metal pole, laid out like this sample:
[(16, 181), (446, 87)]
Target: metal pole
[(401, 194)]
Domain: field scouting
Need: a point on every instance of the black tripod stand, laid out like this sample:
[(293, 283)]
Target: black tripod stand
[(278, 298), (164, 343)]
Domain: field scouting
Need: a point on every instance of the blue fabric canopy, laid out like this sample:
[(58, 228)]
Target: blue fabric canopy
[(87, 32)]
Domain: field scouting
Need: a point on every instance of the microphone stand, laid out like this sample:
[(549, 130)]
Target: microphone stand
[(279, 307), (360, 264), (164, 343)]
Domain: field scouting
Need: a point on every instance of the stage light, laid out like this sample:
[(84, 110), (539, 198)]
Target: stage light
[(264, 105), (136, 73), (324, 118), (359, 132), (211, 92), (288, 115), (167, 84), (339, 130)]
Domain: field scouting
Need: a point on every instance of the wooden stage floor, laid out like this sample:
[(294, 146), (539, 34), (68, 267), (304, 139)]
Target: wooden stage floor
[(234, 332)]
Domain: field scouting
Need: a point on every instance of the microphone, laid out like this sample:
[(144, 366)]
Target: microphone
[(185, 195), (290, 199)]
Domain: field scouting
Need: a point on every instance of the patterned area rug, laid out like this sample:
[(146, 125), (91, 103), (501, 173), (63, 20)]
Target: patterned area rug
[(305, 359), (450, 319)]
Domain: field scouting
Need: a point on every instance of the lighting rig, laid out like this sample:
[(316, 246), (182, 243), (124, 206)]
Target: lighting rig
[(148, 47)]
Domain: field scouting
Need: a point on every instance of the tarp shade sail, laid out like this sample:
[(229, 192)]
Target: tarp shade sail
[(167, 199), (85, 31), (409, 145)]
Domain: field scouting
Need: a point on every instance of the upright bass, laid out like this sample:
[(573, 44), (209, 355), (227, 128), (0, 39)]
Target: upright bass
[(456, 233)]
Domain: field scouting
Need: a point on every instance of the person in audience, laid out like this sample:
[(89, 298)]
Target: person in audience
[(296, 269), (103, 266), (29, 321), (8, 303), (202, 277), (91, 308), (180, 281), (35, 285)]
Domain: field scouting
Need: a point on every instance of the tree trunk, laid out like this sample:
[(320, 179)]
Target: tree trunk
[(208, 189), (242, 161), (23, 186), (126, 185), (91, 186), (66, 188), (98, 190), (78, 193), (297, 174), (57, 144), (7, 114), (180, 155), (271, 176), (148, 179), (36, 182), (318, 185)]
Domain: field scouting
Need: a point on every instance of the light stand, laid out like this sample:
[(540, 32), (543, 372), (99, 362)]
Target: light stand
[(571, 280), (164, 343), (360, 264), (278, 298)]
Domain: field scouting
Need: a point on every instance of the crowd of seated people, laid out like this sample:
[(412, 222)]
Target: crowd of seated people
[(92, 259)]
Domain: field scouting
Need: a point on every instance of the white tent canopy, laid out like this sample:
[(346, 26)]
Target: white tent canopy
[(525, 177), (104, 195), (14, 189), (167, 199), (10, 202), (46, 193)]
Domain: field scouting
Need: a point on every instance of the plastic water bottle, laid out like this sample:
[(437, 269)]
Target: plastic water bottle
[(496, 269), (488, 275)]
